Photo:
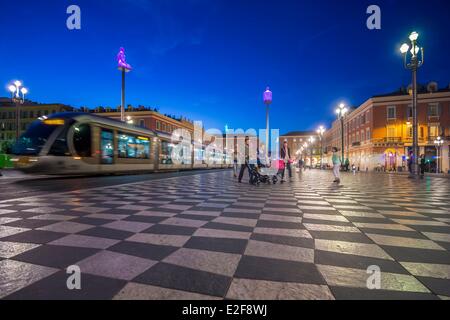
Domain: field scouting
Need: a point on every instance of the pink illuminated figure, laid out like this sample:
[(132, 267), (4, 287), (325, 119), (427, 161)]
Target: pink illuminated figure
[(122, 64), (267, 96)]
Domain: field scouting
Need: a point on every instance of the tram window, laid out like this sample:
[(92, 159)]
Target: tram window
[(142, 148), (166, 153), (34, 139), (82, 140), (199, 154), (107, 147), (59, 147), (133, 147)]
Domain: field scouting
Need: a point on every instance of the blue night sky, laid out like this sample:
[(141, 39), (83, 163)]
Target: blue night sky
[(211, 60)]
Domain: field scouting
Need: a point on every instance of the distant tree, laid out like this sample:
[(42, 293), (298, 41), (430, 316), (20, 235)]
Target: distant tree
[(5, 147)]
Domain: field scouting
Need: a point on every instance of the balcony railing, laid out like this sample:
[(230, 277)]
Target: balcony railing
[(400, 140), (388, 140)]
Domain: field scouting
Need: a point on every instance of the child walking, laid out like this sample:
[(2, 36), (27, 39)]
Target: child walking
[(336, 166)]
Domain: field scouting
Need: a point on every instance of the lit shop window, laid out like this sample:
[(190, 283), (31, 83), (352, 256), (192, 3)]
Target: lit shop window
[(133, 147)]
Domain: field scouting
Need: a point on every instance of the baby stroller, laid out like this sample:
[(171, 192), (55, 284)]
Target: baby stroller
[(257, 178)]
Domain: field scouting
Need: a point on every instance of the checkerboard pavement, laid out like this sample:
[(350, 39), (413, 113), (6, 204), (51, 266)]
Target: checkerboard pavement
[(208, 237)]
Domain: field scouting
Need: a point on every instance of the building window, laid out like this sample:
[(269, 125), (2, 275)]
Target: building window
[(421, 132), (391, 112), (433, 110), (363, 137), (368, 134), (433, 131), (158, 125), (391, 132), (142, 123), (409, 112), (409, 131)]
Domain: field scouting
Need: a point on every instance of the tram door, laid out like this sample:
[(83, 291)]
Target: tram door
[(107, 146)]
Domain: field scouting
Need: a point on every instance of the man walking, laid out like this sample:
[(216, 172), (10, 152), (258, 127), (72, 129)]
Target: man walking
[(336, 165)]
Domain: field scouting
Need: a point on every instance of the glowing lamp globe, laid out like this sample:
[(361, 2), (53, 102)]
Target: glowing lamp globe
[(413, 36), (267, 96), (404, 48)]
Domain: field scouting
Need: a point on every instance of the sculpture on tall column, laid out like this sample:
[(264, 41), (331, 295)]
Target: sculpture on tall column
[(121, 60)]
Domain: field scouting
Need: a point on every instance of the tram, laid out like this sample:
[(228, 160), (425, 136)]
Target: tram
[(73, 143)]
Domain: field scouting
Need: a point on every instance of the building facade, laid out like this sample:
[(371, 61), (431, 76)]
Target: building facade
[(378, 134), (296, 140), (29, 111), (147, 118)]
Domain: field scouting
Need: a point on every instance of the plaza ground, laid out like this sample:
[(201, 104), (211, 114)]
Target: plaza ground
[(201, 235)]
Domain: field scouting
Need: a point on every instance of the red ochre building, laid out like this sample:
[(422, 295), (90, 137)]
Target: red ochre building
[(147, 117), (378, 133)]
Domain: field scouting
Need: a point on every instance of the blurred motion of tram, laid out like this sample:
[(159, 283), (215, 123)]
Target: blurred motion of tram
[(76, 143)]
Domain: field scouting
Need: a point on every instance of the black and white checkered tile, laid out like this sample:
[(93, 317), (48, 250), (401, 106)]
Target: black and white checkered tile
[(208, 237)]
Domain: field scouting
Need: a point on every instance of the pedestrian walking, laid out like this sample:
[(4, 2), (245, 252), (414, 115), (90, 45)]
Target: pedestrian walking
[(410, 162), (246, 161), (336, 165), (422, 166), (286, 157), (235, 164), (300, 165), (347, 164)]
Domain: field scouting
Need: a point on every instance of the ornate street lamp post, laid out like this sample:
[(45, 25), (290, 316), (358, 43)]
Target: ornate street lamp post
[(267, 97), (341, 111), (18, 93), (415, 63), (320, 133), (124, 67), (438, 143)]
